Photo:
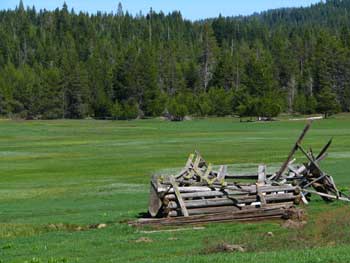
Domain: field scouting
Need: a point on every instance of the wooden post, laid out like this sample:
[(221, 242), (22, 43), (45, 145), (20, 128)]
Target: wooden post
[(155, 203), (179, 197), (262, 175)]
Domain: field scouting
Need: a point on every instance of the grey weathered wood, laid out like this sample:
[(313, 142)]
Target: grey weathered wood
[(225, 201), (303, 198), (197, 195), (292, 152), (327, 195), (314, 181), (324, 149), (155, 203), (314, 162), (295, 170), (179, 198), (261, 174), (222, 173), (207, 192), (223, 209), (260, 195), (334, 186), (188, 165), (233, 189), (256, 214)]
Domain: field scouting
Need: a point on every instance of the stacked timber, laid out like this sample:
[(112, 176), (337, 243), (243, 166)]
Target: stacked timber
[(196, 200), (200, 194), (199, 190), (253, 214)]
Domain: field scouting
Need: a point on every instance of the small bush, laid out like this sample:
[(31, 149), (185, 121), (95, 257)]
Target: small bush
[(177, 110), (126, 111)]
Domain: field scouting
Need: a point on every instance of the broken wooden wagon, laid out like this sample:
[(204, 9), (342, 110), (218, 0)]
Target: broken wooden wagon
[(200, 194)]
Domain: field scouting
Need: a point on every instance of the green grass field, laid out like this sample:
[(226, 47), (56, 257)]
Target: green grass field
[(56, 176)]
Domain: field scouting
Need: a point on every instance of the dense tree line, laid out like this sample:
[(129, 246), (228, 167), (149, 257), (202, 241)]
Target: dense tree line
[(63, 64)]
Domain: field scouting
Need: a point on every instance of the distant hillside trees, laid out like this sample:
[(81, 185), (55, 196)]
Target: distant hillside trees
[(63, 64)]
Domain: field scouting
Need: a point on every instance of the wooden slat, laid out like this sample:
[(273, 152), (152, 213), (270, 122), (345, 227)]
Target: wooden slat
[(179, 198), (234, 200), (261, 174), (260, 195), (222, 174), (233, 189), (327, 195)]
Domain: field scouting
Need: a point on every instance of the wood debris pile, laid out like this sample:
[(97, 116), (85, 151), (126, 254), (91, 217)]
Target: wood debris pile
[(200, 194)]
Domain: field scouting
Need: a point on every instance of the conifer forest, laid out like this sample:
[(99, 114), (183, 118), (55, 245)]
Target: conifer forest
[(64, 64)]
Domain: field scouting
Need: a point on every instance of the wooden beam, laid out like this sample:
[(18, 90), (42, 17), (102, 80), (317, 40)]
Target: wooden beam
[(262, 175), (155, 203), (292, 152), (250, 215), (327, 195), (179, 198), (314, 181), (222, 174), (324, 149)]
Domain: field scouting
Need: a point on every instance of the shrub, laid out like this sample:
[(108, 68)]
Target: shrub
[(177, 109)]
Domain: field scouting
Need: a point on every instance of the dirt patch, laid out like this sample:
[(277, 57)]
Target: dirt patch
[(296, 214), (291, 224), (73, 227), (333, 226)]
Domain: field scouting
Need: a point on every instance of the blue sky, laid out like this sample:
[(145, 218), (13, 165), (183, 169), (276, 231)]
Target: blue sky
[(191, 9)]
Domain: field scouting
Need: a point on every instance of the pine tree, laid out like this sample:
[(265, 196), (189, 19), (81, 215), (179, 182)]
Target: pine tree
[(208, 56), (327, 102), (64, 64), (120, 11), (21, 6), (225, 72)]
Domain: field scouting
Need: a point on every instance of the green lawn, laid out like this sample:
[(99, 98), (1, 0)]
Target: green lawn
[(58, 175)]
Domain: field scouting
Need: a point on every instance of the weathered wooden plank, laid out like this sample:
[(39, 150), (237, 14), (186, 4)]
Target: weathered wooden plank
[(155, 203), (224, 209), (231, 201), (261, 175), (234, 189), (257, 214), (314, 181), (222, 174), (179, 198), (326, 195), (228, 209), (172, 197), (324, 149), (188, 165), (260, 195), (292, 152)]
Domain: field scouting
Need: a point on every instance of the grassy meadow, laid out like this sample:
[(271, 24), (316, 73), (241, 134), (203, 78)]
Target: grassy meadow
[(58, 177)]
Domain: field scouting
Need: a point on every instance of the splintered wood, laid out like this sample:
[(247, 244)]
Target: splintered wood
[(199, 194)]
